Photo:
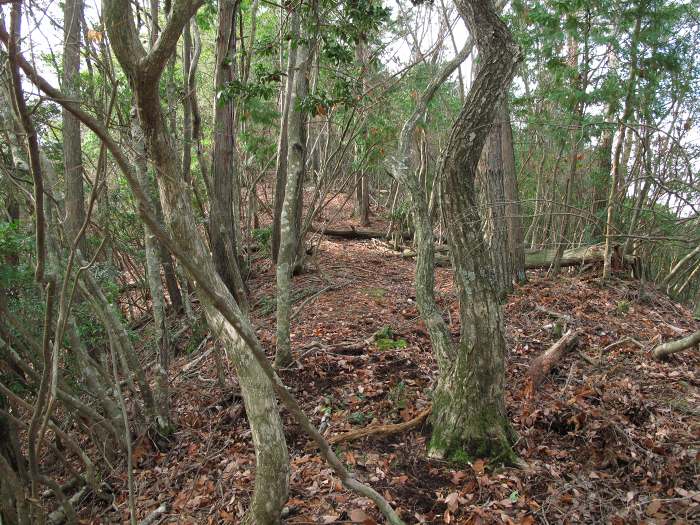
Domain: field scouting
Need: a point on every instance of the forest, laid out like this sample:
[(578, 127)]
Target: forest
[(361, 261)]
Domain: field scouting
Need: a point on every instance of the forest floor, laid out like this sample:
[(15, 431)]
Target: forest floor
[(611, 436)]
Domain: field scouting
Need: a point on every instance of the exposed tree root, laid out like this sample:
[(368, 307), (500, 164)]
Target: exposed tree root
[(678, 345), (382, 430)]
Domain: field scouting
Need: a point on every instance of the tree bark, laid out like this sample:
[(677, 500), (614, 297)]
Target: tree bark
[(499, 246), (155, 286), (282, 150), (469, 417), (516, 240)]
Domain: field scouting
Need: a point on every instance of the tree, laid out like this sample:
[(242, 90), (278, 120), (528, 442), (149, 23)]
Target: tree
[(72, 150), (144, 70), (468, 405), (293, 192), (468, 411), (224, 193)]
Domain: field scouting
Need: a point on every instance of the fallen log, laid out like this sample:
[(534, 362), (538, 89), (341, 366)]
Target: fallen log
[(543, 364), (356, 233), (593, 253), (543, 259), (677, 345)]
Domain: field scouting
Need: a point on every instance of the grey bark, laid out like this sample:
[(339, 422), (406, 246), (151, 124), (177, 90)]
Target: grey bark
[(282, 150), (155, 286), (289, 218)]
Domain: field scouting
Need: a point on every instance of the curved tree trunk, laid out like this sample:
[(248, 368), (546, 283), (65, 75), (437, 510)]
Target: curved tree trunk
[(144, 71), (469, 415)]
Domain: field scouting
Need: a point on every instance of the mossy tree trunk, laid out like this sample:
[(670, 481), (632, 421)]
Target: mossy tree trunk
[(155, 286), (468, 410)]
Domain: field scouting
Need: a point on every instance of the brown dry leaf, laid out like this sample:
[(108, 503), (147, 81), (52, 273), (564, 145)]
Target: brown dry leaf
[(458, 476), (653, 507), (478, 467), (359, 516), (452, 501)]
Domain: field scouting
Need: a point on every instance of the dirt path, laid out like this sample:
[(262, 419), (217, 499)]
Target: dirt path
[(611, 436)]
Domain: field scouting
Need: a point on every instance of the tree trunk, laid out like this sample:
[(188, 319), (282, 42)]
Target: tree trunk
[(224, 195), (281, 166), (155, 286), (499, 247), (362, 188), (469, 417), (144, 71), (72, 152), (516, 240), (289, 219), (615, 168)]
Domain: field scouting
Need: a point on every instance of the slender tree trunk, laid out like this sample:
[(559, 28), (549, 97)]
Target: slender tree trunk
[(615, 168), (289, 219), (516, 241), (469, 416), (362, 182), (155, 286), (72, 152), (224, 216), (282, 150)]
